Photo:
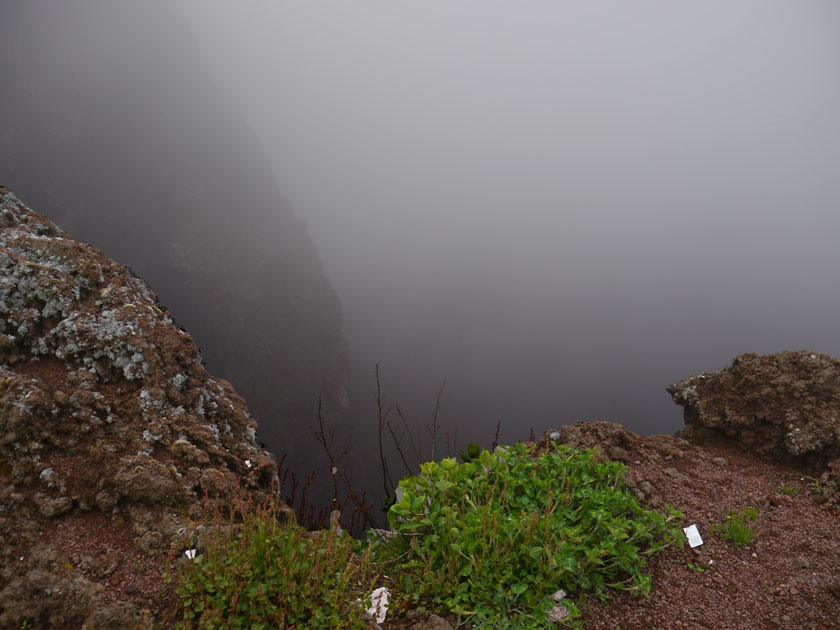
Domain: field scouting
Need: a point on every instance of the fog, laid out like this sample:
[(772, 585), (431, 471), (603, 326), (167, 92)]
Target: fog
[(558, 207)]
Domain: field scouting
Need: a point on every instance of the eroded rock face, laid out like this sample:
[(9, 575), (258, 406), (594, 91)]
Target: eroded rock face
[(109, 423), (786, 403)]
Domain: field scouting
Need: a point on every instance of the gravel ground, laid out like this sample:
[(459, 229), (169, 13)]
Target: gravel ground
[(789, 578)]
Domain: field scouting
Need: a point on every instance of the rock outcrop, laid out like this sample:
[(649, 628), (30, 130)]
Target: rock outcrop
[(112, 434), (780, 404), (133, 148)]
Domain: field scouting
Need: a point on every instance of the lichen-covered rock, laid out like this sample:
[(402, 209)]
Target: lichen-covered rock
[(785, 403), (107, 419)]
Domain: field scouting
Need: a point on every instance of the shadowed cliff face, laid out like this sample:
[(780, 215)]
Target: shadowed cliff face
[(109, 126)]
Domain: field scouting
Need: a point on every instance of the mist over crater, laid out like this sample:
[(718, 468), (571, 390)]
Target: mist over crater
[(559, 209)]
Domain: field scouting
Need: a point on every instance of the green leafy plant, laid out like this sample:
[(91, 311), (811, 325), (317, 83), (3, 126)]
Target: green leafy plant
[(735, 530), (826, 488), (472, 452), (789, 489), (493, 538), (262, 573)]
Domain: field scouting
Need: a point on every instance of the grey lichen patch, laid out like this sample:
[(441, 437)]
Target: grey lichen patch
[(49, 477), (107, 335)]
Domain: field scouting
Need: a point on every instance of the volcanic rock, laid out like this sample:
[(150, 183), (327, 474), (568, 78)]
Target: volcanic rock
[(136, 150), (781, 404), (110, 432)]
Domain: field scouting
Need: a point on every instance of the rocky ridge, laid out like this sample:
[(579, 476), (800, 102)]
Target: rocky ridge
[(110, 432)]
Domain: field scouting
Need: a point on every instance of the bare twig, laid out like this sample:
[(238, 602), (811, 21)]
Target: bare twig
[(398, 444), (451, 452), (327, 439), (381, 415), (433, 430), (418, 453), (496, 438)]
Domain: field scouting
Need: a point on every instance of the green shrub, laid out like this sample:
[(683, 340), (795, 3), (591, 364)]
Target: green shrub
[(735, 530), (491, 539), (265, 574)]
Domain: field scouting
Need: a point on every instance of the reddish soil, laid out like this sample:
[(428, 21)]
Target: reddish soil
[(788, 579)]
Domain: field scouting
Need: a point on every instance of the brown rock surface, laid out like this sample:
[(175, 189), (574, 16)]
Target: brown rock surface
[(110, 430), (779, 404)]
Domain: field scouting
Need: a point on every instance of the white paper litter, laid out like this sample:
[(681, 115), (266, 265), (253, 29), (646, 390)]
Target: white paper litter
[(379, 604), (248, 463), (190, 553), (558, 612), (694, 539)]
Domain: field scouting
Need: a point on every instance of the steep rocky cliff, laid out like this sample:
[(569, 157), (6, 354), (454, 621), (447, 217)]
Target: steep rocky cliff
[(109, 126), (110, 431)]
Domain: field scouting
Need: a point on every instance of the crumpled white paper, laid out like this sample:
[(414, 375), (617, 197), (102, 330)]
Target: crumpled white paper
[(558, 612), (379, 603), (694, 539)]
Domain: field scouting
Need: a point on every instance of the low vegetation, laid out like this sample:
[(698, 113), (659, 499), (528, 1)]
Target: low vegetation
[(735, 530), (789, 489), (490, 539), (261, 573)]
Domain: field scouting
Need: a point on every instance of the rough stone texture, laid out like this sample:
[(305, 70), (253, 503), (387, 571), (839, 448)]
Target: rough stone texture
[(136, 150), (786, 403), (110, 431)]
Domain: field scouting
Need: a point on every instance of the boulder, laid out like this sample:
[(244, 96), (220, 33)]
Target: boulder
[(111, 431), (777, 404)]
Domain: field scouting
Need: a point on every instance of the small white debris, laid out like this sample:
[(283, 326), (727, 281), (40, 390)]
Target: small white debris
[(694, 539), (248, 463), (334, 471), (813, 356), (558, 612), (379, 604), (190, 553)]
